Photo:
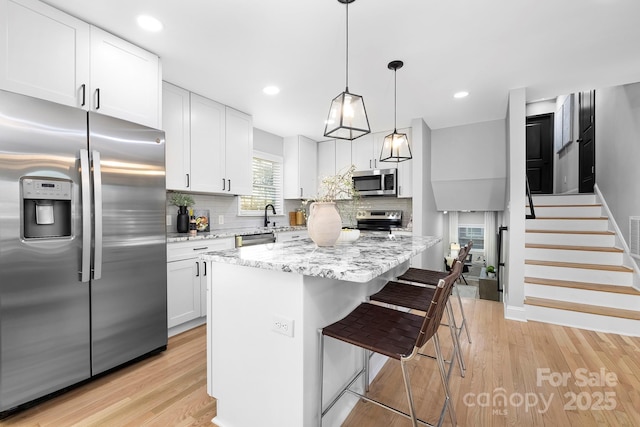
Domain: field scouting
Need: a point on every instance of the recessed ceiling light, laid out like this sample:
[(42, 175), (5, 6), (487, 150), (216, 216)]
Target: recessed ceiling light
[(149, 23), (461, 94), (271, 90)]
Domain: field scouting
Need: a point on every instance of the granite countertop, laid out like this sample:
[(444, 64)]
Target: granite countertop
[(373, 254), (229, 232)]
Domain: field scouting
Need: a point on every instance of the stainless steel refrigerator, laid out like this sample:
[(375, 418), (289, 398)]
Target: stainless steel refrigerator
[(82, 246)]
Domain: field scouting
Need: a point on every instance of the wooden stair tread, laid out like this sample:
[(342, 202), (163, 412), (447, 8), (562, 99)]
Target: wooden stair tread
[(618, 289), (583, 308), (574, 248), (603, 233), (619, 268), (567, 206), (571, 218)]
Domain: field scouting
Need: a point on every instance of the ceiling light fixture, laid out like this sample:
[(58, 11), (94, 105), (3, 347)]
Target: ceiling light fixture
[(347, 115), (149, 23), (395, 147), (461, 94), (271, 90)]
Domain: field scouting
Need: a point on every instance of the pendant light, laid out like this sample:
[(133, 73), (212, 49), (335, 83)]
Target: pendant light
[(395, 147), (347, 115)]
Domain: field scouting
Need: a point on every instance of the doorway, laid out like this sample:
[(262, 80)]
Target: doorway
[(539, 149), (586, 141)]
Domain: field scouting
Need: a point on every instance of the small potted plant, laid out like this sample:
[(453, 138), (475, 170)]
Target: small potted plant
[(491, 271), (183, 202)]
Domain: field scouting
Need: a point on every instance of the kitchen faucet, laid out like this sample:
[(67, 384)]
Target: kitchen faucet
[(273, 209)]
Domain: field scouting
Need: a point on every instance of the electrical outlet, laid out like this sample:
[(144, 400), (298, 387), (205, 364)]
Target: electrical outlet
[(168, 219), (220, 219), (282, 325)]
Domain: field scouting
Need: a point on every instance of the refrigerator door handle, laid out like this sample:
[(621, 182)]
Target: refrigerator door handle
[(97, 213), (85, 267)]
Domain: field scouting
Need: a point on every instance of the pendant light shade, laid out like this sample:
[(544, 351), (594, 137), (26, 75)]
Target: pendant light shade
[(395, 147), (347, 116)]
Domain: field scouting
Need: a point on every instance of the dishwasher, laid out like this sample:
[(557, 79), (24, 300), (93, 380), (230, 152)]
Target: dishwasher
[(254, 239)]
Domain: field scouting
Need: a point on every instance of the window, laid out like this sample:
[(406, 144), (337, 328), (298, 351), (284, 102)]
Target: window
[(472, 232), (267, 186)]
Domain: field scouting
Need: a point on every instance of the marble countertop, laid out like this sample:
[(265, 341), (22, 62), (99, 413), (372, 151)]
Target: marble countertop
[(229, 232), (372, 255)]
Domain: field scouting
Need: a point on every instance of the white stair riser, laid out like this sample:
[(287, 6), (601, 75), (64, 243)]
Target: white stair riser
[(579, 275), (571, 239), (567, 224), (592, 322), (583, 296), (568, 211), (573, 199), (562, 255)]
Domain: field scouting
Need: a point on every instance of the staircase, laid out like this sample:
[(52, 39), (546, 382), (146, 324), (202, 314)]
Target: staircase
[(574, 273)]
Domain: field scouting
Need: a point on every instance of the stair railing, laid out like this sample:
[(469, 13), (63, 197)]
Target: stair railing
[(500, 264), (532, 214)]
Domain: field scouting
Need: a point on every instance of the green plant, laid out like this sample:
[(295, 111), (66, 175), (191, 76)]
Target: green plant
[(180, 199), (491, 269), (338, 188)]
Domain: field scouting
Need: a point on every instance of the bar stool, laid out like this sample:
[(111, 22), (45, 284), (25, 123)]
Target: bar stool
[(417, 297), (396, 334), (431, 278)]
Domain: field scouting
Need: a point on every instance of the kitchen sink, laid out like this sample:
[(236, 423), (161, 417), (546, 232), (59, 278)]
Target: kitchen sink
[(255, 239)]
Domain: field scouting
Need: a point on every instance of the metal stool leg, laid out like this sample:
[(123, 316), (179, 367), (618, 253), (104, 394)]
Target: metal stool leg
[(321, 373), (407, 387), (464, 323), (445, 383), (457, 351)]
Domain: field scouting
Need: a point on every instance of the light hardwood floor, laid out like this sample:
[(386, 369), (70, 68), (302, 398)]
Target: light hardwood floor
[(503, 361)]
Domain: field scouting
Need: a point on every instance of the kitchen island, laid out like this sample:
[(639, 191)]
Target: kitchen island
[(265, 305)]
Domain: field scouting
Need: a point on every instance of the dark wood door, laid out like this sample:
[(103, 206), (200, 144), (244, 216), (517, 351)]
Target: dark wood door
[(587, 141), (540, 153)]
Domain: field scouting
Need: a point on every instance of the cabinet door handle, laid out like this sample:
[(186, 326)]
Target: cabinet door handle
[(197, 269), (224, 184), (98, 99), (370, 164), (375, 163), (201, 249), (84, 92), (229, 184), (205, 268), (188, 181)]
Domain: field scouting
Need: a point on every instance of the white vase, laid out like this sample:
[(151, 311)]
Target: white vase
[(324, 223)]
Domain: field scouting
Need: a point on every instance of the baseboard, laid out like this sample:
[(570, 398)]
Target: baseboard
[(186, 326), (630, 260), (515, 313)]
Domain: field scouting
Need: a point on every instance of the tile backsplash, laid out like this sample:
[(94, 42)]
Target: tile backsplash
[(227, 208)]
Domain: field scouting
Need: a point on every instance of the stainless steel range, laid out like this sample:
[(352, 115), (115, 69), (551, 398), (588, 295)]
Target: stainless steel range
[(379, 220)]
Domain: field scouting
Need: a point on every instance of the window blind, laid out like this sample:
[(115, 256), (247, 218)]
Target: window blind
[(267, 185)]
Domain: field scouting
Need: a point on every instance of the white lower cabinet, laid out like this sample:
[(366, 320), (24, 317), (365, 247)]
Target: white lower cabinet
[(289, 236), (187, 279)]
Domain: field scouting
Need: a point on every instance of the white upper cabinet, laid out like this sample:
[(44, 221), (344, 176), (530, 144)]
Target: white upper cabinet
[(300, 167), (125, 80), (209, 146), (44, 52), (326, 159), (239, 152), (362, 153), (343, 155), (175, 122), (48, 54)]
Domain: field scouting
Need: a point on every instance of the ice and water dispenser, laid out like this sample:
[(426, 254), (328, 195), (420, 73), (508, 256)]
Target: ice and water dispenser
[(46, 207)]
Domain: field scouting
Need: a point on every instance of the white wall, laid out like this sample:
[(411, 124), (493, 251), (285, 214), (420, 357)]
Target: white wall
[(469, 166), (618, 151), (427, 221), (541, 107), (268, 142), (513, 277)]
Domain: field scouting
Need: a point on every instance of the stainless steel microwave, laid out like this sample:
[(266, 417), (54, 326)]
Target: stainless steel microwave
[(377, 182)]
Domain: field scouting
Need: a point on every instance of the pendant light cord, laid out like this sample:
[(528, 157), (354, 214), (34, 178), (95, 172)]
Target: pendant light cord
[(395, 100), (347, 50)]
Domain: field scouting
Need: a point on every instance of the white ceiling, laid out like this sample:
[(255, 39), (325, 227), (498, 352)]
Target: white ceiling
[(228, 50)]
